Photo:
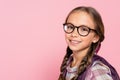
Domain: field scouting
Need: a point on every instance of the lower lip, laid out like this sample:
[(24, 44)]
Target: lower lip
[(74, 42)]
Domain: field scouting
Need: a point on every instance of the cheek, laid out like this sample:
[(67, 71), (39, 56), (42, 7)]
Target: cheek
[(67, 36), (88, 40)]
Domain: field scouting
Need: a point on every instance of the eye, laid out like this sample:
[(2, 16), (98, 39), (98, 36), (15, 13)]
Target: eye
[(69, 27), (84, 28)]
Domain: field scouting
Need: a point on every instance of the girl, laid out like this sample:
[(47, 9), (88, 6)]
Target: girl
[(84, 32)]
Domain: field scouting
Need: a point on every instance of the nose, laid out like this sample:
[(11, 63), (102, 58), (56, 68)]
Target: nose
[(75, 33)]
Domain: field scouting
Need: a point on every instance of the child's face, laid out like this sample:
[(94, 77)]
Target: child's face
[(74, 40)]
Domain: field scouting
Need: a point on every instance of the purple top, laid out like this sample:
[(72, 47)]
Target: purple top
[(113, 74)]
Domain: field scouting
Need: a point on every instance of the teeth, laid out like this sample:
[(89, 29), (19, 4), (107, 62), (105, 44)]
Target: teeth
[(74, 41)]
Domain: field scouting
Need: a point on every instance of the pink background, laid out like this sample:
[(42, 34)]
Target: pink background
[(32, 42)]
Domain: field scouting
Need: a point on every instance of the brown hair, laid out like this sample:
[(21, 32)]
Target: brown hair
[(94, 46)]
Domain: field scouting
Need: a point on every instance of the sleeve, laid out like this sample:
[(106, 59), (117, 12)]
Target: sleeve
[(99, 71)]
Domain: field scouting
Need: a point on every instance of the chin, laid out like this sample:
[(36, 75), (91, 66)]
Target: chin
[(74, 48), (78, 48)]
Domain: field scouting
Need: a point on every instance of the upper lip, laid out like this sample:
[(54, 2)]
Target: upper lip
[(75, 40)]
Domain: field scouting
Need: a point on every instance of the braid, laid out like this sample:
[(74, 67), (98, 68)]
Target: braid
[(64, 63)]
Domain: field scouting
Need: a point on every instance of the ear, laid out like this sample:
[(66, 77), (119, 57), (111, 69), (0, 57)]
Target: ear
[(96, 39)]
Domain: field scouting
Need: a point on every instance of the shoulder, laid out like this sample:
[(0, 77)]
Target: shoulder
[(99, 68), (99, 71)]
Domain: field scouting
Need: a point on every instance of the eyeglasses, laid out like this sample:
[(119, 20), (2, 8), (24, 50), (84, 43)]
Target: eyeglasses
[(82, 30)]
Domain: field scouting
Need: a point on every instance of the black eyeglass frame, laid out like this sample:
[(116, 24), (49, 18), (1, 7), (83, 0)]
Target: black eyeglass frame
[(78, 29)]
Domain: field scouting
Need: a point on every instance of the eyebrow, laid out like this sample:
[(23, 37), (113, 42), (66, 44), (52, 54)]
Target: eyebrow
[(79, 25)]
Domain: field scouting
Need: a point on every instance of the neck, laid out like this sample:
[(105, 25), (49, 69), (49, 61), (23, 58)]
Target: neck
[(78, 57)]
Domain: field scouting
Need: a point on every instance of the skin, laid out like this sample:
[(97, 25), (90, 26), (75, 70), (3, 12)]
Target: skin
[(79, 44)]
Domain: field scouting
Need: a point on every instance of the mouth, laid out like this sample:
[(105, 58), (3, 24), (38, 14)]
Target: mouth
[(74, 42)]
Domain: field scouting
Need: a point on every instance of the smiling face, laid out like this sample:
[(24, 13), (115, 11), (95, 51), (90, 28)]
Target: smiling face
[(74, 40)]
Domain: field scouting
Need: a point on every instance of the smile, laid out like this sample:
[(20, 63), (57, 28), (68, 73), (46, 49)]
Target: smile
[(75, 42)]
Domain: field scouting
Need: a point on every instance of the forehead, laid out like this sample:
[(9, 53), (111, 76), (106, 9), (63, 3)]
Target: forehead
[(81, 18)]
